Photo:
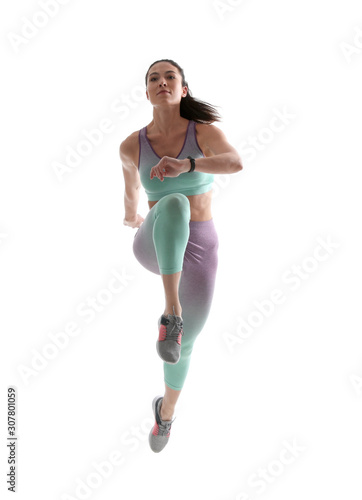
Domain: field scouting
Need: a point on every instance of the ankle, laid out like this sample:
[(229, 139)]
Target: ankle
[(166, 418), (166, 414), (169, 310)]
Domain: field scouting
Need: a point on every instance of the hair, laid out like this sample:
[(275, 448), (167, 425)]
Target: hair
[(191, 108)]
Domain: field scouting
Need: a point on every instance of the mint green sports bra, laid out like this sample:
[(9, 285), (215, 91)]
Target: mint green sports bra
[(186, 183)]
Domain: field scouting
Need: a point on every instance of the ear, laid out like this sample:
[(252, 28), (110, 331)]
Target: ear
[(184, 92)]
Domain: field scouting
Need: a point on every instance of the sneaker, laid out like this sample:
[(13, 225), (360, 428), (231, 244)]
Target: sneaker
[(168, 345), (160, 433)]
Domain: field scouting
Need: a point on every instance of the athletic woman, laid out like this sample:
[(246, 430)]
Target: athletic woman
[(175, 158)]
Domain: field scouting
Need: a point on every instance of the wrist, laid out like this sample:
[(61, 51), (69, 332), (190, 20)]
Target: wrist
[(191, 164), (186, 165), (129, 218)]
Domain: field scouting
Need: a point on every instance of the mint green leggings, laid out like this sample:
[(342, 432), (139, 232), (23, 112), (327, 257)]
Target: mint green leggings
[(168, 242)]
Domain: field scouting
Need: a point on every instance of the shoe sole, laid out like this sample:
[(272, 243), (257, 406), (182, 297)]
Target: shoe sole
[(168, 362), (154, 403)]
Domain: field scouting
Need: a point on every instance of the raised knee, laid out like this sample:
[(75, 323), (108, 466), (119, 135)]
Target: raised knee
[(178, 203)]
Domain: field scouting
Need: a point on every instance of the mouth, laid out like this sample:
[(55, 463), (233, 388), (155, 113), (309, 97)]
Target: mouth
[(163, 92)]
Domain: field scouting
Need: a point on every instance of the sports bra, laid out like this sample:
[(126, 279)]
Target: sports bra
[(186, 183)]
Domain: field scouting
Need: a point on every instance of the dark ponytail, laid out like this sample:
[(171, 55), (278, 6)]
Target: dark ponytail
[(191, 108)]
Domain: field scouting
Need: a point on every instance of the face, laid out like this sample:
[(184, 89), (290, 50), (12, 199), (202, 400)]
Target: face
[(164, 77)]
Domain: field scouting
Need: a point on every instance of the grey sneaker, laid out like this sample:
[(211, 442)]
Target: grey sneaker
[(170, 331), (160, 433)]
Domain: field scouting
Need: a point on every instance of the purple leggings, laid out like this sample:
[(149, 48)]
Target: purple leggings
[(196, 284)]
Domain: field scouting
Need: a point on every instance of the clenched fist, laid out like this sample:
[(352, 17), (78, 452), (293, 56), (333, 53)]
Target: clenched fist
[(134, 222), (170, 167)]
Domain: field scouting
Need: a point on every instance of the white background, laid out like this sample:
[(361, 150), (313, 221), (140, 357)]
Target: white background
[(296, 377)]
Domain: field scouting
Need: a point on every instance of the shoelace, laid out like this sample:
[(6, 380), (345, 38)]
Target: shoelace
[(164, 428), (178, 324)]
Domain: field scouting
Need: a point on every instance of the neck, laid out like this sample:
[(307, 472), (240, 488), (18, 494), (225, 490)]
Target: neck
[(166, 120)]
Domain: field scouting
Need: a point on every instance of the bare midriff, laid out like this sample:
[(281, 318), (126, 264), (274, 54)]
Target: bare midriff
[(200, 205)]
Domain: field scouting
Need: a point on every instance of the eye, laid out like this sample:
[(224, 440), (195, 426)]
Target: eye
[(153, 78), (171, 76)]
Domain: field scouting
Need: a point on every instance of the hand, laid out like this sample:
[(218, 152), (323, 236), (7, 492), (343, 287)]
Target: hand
[(134, 222), (170, 167)]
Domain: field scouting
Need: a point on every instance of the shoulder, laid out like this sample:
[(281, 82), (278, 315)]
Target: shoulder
[(129, 148), (208, 132), (207, 135), (129, 143)]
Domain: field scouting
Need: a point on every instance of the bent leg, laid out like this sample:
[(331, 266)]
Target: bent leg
[(171, 231), (160, 243)]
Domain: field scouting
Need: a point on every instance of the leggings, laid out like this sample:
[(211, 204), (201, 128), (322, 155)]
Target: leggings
[(168, 242)]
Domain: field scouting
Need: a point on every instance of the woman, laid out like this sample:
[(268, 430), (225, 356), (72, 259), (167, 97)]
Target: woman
[(174, 158)]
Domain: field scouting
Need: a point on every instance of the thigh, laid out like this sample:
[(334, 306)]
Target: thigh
[(165, 210), (143, 246)]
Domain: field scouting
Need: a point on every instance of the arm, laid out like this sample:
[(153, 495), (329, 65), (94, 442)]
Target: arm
[(220, 156), (132, 186)]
